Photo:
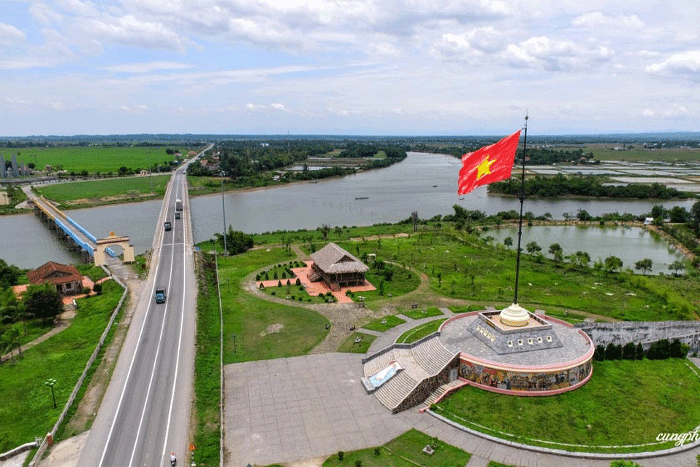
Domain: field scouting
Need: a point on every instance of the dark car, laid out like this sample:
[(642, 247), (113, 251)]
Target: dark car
[(167, 226)]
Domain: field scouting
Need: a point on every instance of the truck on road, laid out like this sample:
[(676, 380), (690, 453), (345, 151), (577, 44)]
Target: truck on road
[(160, 295), (178, 204)]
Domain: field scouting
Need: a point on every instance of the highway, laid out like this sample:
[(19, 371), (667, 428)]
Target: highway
[(145, 413)]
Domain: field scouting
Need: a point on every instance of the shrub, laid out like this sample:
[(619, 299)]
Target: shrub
[(629, 351), (613, 352), (341, 454), (86, 290), (279, 283), (288, 282), (272, 293), (659, 350), (97, 288), (639, 352), (377, 451), (276, 276), (297, 282), (600, 353), (358, 463)]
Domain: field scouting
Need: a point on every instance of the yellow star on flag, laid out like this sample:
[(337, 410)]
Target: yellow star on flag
[(484, 168)]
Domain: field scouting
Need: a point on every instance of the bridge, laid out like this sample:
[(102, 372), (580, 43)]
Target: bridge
[(77, 236)]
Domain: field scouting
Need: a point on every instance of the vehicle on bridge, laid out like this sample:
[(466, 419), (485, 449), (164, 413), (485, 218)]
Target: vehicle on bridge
[(167, 226), (160, 295), (178, 204)]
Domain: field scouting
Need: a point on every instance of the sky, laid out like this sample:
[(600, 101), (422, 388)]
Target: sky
[(348, 67)]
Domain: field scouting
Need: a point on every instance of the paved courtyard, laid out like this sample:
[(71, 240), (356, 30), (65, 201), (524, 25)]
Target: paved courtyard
[(310, 407), (302, 407)]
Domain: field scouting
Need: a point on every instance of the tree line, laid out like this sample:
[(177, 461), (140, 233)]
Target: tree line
[(585, 186)]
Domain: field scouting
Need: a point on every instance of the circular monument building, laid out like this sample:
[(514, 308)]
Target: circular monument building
[(517, 352), (511, 351)]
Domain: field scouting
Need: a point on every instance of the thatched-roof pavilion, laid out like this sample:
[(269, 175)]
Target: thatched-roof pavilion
[(337, 268)]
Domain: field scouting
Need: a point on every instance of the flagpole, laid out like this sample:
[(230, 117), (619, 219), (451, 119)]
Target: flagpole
[(520, 220)]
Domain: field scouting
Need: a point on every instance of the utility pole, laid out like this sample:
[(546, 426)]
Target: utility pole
[(223, 212)]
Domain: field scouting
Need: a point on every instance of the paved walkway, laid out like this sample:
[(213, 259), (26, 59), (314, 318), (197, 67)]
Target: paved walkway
[(308, 408)]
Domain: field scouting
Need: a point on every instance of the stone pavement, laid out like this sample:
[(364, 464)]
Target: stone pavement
[(301, 410)]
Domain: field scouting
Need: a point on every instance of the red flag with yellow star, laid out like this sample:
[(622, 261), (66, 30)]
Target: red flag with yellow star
[(488, 164)]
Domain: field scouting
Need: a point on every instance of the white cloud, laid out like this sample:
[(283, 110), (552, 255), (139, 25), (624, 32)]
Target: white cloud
[(44, 14), (469, 46), (278, 106), (597, 19), (148, 67), (681, 64), (10, 35), (648, 113), (136, 109), (132, 31), (556, 55)]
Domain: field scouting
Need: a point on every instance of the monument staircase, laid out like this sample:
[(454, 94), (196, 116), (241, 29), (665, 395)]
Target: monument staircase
[(421, 363)]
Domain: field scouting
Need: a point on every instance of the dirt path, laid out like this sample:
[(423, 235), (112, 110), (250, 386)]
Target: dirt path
[(66, 320)]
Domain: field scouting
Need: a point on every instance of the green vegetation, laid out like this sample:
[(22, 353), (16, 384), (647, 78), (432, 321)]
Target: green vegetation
[(420, 331), (384, 324), (95, 273), (590, 186), (358, 342), (96, 159), (423, 313), (14, 197), (254, 329), (207, 375), (63, 358), (464, 266), (651, 397), (641, 154), (264, 329), (498, 464), (106, 191), (403, 451)]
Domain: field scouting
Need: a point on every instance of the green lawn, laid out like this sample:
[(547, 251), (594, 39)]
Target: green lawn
[(624, 403), (125, 188), (264, 329), (96, 158), (384, 324), (404, 451), (420, 331), (351, 345), (421, 313), (254, 329), (27, 410), (641, 154), (463, 266)]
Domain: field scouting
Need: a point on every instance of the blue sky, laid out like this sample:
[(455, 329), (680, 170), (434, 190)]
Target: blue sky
[(372, 67)]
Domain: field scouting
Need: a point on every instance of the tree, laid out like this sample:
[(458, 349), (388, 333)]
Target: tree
[(639, 352), (695, 213), (658, 213), (533, 248), (643, 265), (613, 263), (678, 215), (11, 340), (236, 241), (583, 258), (553, 249), (676, 266), (42, 301), (8, 274), (325, 228), (583, 215), (508, 242)]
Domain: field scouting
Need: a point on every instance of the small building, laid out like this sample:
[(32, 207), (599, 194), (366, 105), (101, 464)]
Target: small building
[(66, 279), (337, 268)]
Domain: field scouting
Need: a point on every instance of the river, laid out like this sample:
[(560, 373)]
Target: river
[(426, 183)]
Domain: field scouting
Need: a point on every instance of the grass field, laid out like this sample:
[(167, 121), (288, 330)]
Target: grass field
[(106, 190), (254, 329), (63, 358), (384, 324), (352, 345), (423, 313), (465, 267), (404, 451), (624, 403), (96, 158), (420, 331), (640, 154)]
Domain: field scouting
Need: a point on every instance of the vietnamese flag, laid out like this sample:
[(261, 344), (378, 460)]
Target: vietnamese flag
[(488, 164)]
